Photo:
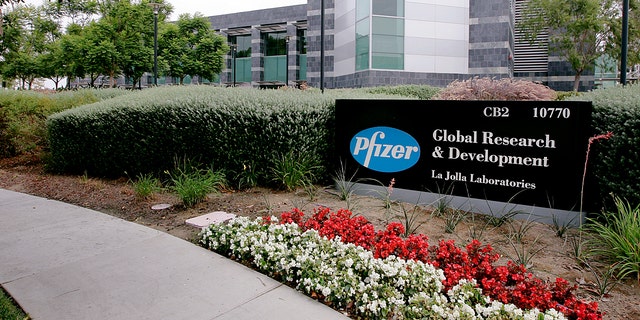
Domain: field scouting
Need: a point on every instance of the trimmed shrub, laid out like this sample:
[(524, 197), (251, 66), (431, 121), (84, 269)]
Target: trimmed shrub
[(422, 92), (614, 165), (492, 89), (566, 95), (229, 128), (23, 115)]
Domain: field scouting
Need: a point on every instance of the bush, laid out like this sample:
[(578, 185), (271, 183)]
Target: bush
[(231, 127), (614, 165), (146, 185), (565, 95), (193, 184), (492, 89), (23, 115), (422, 92), (616, 239), (291, 170)]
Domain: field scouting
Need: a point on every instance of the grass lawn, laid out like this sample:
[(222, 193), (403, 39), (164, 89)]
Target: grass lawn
[(9, 310)]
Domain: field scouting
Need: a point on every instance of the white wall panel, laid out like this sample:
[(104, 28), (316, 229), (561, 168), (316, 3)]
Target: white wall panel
[(452, 14), (451, 48), (420, 46), (345, 36), (344, 6), (420, 11), (453, 3), (344, 67), (419, 63), (344, 51), (451, 31), (451, 65), (419, 29), (346, 20)]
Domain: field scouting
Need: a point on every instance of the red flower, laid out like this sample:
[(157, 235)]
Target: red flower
[(507, 284)]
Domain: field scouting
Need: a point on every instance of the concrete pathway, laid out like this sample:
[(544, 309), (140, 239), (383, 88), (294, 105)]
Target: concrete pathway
[(60, 261)]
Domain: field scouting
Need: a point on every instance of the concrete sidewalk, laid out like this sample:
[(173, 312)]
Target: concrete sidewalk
[(60, 261)]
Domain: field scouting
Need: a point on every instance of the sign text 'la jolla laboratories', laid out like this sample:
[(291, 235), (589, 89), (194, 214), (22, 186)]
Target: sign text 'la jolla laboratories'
[(528, 152)]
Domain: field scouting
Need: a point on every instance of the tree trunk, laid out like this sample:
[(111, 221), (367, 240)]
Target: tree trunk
[(112, 79), (576, 81)]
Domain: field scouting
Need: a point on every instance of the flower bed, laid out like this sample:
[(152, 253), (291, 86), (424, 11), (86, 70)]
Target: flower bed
[(343, 261)]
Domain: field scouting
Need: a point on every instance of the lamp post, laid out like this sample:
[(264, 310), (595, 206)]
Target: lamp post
[(156, 8), (625, 40), (234, 49), (322, 46), (286, 69)]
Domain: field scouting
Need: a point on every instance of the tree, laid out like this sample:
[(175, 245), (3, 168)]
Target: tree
[(102, 54), (45, 37), (52, 64), (29, 33), (614, 40), (137, 41), (79, 12), (120, 42), (210, 54), (2, 4), (190, 47), (577, 29), (75, 47)]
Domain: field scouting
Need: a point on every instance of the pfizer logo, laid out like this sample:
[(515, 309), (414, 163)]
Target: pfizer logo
[(385, 149)]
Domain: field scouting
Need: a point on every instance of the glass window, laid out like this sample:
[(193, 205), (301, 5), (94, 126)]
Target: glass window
[(362, 28), (302, 75), (362, 53), (389, 44), (243, 70), (302, 54), (302, 41), (274, 44), (275, 68), (388, 26), (393, 8), (380, 34), (393, 61), (244, 45), (362, 9), (362, 44)]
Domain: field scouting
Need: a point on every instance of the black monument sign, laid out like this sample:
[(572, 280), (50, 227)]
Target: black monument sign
[(525, 152)]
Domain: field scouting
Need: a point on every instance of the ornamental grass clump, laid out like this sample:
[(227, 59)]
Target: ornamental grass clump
[(193, 184), (491, 89), (295, 169), (616, 239), (146, 185)]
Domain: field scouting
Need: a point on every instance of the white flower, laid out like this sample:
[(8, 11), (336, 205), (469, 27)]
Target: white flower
[(348, 263), (350, 274)]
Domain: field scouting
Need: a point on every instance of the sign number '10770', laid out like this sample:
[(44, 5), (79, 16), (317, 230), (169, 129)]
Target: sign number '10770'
[(538, 112)]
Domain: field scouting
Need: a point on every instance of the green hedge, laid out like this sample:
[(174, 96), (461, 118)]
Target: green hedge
[(228, 128), (422, 92), (614, 164), (23, 115)]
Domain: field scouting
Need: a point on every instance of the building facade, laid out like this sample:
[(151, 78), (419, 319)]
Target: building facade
[(386, 42)]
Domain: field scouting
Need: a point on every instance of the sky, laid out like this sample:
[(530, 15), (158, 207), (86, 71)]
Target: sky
[(215, 7)]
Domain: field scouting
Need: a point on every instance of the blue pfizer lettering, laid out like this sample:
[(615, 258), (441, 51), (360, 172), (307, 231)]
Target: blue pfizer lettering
[(385, 149)]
